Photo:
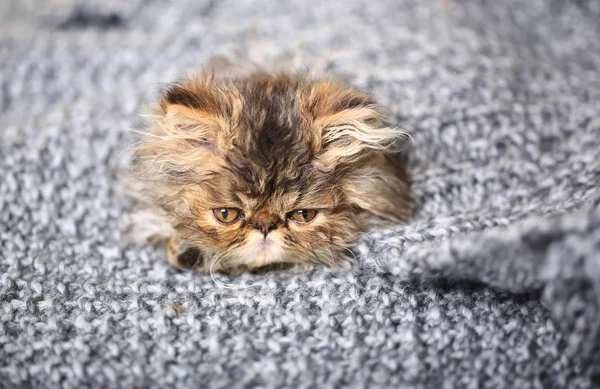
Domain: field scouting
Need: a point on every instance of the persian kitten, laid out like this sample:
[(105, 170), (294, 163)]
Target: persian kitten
[(266, 172)]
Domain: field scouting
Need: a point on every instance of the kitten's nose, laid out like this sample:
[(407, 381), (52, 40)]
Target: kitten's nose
[(265, 228), (265, 222)]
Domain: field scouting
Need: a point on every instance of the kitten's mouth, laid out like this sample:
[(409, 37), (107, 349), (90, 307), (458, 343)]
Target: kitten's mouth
[(264, 252), (266, 243), (266, 247)]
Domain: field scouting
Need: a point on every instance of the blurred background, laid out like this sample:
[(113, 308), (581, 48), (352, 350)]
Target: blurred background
[(501, 99)]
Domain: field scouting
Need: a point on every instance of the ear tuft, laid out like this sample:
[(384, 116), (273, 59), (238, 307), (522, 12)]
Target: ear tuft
[(347, 124)]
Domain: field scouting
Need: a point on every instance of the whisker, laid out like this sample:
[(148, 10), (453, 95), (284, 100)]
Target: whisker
[(402, 133), (222, 284)]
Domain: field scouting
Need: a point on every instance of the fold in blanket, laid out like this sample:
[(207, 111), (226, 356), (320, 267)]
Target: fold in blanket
[(558, 256)]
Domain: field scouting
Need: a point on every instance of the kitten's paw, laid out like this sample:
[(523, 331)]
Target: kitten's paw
[(183, 258)]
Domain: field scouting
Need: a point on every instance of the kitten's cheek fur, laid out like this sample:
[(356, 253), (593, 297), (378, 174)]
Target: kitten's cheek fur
[(183, 258)]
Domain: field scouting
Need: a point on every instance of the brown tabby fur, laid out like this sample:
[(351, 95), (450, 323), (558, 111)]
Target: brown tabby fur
[(268, 145)]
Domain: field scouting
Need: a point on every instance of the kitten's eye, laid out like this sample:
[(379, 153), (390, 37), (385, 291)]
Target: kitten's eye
[(303, 216), (227, 215)]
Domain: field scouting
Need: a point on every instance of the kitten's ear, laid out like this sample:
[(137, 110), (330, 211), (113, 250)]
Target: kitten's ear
[(196, 109), (346, 123), (380, 186)]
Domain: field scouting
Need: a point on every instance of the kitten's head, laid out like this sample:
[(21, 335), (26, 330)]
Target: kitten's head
[(269, 170)]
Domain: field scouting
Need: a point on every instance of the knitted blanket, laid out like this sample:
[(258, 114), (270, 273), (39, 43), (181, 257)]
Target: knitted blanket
[(494, 283)]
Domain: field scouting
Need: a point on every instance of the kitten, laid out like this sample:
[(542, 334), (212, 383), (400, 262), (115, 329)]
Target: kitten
[(266, 172)]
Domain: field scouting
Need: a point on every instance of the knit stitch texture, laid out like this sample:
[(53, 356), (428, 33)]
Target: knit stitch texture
[(495, 283)]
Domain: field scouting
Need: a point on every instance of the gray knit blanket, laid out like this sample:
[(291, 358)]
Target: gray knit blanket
[(495, 283)]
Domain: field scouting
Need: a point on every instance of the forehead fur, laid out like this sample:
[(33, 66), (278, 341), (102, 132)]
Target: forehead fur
[(268, 129), (272, 138)]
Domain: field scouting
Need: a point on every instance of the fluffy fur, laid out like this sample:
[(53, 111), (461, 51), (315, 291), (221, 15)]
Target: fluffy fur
[(267, 145)]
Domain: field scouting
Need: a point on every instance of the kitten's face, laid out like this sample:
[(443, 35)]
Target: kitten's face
[(268, 170), (255, 216)]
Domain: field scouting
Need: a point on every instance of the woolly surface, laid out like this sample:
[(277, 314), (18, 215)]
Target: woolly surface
[(495, 283)]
